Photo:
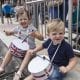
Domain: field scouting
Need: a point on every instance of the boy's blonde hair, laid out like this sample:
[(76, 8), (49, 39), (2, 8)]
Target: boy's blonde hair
[(55, 25)]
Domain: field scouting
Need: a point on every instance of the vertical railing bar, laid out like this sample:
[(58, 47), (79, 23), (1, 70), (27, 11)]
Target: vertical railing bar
[(70, 22), (77, 22), (58, 11), (64, 11)]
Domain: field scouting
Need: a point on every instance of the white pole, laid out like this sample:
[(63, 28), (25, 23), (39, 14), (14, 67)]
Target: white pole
[(70, 21)]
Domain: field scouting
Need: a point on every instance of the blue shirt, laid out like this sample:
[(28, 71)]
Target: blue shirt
[(63, 55), (7, 9)]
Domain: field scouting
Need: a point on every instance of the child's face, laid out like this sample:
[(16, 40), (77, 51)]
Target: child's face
[(23, 21), (56, 37)]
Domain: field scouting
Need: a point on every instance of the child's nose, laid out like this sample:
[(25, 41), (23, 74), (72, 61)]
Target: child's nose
[(57, 35), (23, 20)]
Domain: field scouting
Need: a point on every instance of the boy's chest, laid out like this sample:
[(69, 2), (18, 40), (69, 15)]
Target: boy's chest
[(57, 52)]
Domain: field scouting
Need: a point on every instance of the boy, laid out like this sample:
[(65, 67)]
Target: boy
[(64, 59)]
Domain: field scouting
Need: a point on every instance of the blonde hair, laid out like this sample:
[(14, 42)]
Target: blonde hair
[(55, 25), (23, 11)]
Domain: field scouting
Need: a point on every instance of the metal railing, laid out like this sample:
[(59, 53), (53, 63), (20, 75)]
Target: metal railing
[(43, 11)]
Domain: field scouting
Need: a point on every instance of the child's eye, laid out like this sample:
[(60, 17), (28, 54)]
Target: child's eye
[(57, 34), (25, 19), (60, 33), (54, 34)]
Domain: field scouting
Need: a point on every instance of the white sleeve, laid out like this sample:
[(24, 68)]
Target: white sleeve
[(15, 30)]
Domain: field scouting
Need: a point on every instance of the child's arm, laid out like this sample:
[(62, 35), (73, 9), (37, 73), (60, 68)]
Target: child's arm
[(37, 35), (72, 63), (33, 51), (8, 33), (26, 60), (70, 66)]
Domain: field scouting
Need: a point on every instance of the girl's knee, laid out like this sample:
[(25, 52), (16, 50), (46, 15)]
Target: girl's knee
[(29, 78), (29, 54)]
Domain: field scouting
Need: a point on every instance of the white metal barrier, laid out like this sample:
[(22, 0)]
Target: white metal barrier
[(43, 11)]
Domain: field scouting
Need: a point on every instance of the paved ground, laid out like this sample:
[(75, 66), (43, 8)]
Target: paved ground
[(5, 20)]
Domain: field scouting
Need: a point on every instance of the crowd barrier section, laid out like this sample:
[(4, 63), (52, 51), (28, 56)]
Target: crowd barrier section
[(46, 10)]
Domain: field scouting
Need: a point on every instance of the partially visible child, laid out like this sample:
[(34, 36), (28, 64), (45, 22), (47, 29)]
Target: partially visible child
[(75, 17), (58, 8), (22, 30), (64, 59), (8, 10)]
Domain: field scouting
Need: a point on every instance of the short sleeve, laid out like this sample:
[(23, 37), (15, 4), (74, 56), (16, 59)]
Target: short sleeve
[(16, 29), (46, 43), (31, 28), (69, 51)]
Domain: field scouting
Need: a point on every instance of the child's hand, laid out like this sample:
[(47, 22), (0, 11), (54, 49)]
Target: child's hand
[(63, 69), (37, 35), (8, 33), (31, 52), (32, 34)]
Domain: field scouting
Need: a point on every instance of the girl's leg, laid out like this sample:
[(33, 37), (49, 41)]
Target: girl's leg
[(24, 63), (5, 61), (29, 78)]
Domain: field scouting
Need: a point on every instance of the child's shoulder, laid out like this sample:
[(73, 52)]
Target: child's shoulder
[(47, 41), (32, 27), (65, 43)]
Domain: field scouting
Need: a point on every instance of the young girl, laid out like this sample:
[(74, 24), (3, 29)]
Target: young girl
[(22, 30), (64, 59)]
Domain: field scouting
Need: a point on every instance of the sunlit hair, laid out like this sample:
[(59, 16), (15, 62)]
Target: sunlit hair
[(55, 25), (25, 12)]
